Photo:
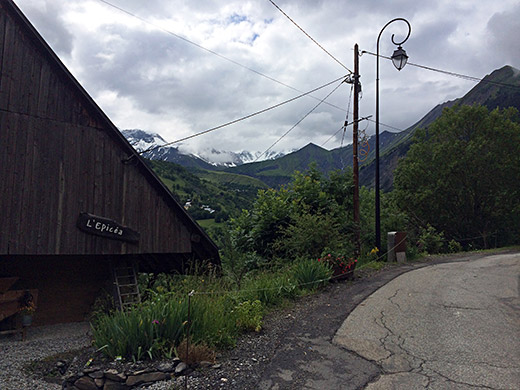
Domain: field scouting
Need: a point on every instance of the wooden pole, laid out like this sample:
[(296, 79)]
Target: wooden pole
[(355, 162)]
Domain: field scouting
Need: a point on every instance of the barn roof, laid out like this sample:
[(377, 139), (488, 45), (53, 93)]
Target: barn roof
[(202, 245)]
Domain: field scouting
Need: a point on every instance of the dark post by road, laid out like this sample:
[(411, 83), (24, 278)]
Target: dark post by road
[(355, 138)]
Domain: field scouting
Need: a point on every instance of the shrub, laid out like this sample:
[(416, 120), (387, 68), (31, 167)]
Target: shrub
[(151, 329), (311, 274), (430, 240), (454, 247), (270, 289), (249, 315), (196, 352), (339, 264)]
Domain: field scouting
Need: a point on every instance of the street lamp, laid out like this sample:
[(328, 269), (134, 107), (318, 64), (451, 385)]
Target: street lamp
[(399, 59)]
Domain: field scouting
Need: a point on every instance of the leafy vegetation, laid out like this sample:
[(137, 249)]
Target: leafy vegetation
[(298, 220), (459, 181), (461, 177)]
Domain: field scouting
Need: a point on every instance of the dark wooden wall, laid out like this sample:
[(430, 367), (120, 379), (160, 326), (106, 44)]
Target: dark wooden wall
[(60, 156), (67, 285)]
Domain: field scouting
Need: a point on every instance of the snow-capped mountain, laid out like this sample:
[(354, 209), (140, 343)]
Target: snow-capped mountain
[(143, 140), (233, 159)]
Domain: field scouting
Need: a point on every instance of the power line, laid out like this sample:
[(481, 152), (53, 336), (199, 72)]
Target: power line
[(300, 121), (459, 75), (311, 38), (242, 118), (211, 51)]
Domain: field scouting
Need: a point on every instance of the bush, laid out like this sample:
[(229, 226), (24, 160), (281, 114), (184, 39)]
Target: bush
[(454, 247), (249, 315), (311, 274), (196, 353), (153, 328), (430, 240), (270, 289)]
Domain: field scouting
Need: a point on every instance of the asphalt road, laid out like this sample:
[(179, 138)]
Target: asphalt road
[(445, 326)]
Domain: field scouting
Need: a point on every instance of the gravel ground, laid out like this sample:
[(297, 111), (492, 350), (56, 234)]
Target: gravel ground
[(40, 343)]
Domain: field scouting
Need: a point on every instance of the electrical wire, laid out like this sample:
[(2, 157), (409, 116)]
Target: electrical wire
[(311, 38), (345, 125), (459, 75), (242, 118), (297, 123), (212, 51)]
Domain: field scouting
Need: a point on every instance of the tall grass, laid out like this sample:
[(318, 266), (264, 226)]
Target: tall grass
[(156, 327), (311, 274), (218, 313)]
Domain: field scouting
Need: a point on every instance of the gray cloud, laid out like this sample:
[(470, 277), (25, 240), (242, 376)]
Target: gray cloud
[(142, 76), (51, 25)]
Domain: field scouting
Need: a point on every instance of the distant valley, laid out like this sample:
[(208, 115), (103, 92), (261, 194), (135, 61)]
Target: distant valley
[(236, 173)]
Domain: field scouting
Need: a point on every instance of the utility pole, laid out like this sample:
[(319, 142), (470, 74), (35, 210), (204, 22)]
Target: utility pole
[(355, 138)]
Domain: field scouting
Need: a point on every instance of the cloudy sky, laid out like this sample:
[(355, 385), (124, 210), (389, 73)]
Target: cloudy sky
[(138, 64)]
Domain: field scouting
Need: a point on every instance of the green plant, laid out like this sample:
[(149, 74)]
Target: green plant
[(375, 265), (430, 240), (249, 315), (338, 262), (311, 274), (152, 328), (454, 247), (269, 288)]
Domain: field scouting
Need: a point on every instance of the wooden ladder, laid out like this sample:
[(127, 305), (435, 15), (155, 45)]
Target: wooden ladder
[(125, 279)]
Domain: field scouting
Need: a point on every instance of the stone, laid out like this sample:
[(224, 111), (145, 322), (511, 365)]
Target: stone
[(88, 370), (401, 257), (135, 380), (167, 366), (115, 375), (99, 382), (96, 374), (205, 364), (217, 366), (85, 383), (112, 385), (181, 367), (61, 366), (143, 371)]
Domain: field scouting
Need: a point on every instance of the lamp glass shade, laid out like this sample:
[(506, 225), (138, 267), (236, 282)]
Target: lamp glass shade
[(399, 58)]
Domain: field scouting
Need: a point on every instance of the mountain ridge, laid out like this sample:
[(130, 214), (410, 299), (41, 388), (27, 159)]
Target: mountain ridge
[(493, 91)]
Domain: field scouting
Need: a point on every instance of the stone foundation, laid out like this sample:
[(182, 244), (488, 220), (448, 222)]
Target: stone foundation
[(97, 378)]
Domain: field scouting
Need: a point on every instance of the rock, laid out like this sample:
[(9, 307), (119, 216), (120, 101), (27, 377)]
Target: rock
[(96, 374), (114, 375), (111, 385), (181, 367), (61, 366), (135, 380), (99, 382), (205, 364), (216, 366), (85, 383), (167, 366), (143, 371), (89, 370)]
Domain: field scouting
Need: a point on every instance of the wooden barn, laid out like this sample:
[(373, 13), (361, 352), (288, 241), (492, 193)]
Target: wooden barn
[(79, 206)]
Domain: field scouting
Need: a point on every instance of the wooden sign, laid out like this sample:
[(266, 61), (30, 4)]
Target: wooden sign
[(105, 227)]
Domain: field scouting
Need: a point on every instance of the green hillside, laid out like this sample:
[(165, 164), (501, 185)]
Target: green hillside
[(208, 194)]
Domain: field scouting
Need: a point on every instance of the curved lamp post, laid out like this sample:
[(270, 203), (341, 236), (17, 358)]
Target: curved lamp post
[(399, 59)]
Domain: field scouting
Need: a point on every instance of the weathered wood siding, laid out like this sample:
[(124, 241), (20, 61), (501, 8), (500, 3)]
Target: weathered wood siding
[(60, 156), (67, 285)]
